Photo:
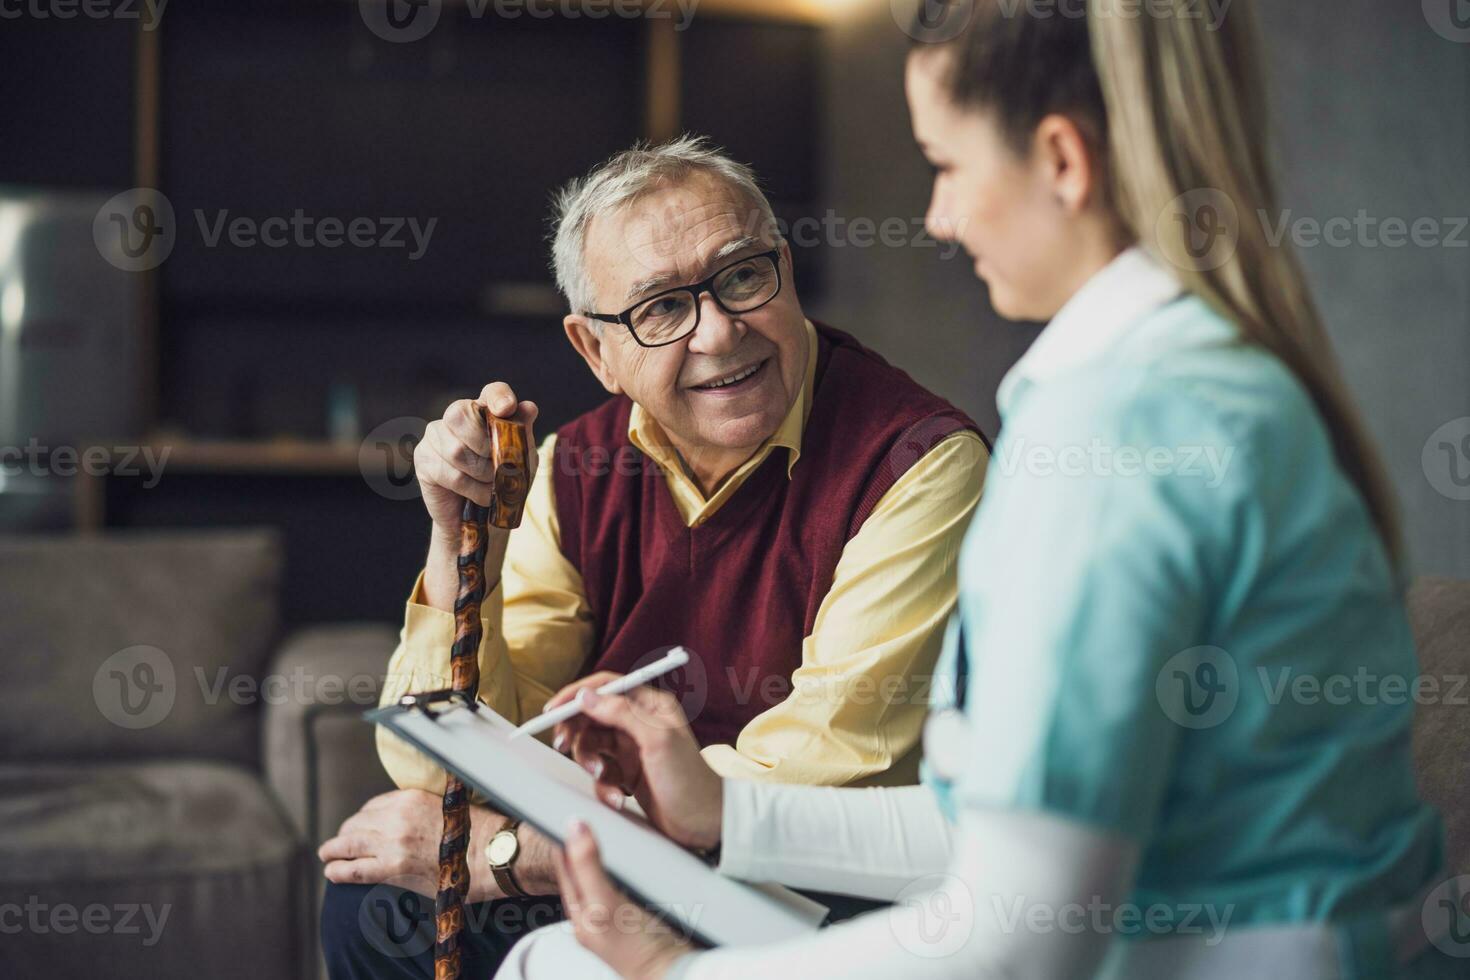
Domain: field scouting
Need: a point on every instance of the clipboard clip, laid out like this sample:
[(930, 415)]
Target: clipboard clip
[(448, 698)]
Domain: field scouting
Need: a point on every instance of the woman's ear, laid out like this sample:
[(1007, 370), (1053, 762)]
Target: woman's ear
[(586, 337), (1068, 164)]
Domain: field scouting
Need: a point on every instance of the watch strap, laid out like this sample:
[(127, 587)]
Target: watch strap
[(505, 877)]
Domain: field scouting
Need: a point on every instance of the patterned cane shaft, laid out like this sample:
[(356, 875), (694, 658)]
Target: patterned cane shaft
[(508, 453), (464, 665)]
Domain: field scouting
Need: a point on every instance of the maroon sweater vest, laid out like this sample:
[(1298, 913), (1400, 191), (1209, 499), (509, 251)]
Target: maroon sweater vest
[(741, 591)]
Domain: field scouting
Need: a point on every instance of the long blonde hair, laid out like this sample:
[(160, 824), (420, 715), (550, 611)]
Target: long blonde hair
[(1179, 108)]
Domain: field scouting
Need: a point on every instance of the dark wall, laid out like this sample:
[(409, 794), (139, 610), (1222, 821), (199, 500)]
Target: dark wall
[(299, 113)]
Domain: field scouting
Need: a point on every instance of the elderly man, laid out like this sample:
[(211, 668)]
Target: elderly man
[(765, 491)]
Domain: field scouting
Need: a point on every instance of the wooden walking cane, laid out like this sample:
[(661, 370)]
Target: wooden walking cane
[(508, 454)]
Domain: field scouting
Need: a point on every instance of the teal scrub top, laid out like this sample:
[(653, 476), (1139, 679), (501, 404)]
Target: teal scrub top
[(1181, 627)]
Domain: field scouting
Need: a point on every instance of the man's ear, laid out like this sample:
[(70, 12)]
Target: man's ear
[(1068, 163), (586, 337)]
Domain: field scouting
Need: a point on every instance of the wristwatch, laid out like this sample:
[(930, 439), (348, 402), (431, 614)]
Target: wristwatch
[(501, 854)]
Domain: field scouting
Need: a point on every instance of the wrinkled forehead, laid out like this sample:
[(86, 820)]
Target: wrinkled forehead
[(670, 235)]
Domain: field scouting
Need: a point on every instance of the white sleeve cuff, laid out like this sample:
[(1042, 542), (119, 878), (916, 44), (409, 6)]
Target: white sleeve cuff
[(869, 842)]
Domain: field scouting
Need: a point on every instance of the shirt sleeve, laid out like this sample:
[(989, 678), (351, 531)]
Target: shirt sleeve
[(859, 697), (871, 842), (1078, 639), (537, 632), (974, 920)]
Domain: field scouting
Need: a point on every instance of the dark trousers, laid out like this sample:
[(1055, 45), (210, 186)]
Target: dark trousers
[(377, 932)]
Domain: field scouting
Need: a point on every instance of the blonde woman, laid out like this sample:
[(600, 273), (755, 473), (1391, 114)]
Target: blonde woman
[(1117, 783)]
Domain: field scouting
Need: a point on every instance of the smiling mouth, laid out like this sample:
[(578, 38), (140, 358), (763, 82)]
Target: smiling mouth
[(731, 381)]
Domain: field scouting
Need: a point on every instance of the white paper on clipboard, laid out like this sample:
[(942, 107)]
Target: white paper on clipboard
[(525, 778)]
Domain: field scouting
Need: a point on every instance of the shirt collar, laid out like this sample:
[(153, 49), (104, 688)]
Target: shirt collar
[(645, 434), (1106, 308)]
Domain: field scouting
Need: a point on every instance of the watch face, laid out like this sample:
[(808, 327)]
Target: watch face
[(502, 848)]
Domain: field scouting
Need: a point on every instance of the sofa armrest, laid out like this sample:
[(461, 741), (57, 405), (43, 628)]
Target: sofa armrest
[(319, 756)]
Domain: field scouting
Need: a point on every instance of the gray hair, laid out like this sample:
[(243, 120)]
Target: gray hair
[(621, 180)]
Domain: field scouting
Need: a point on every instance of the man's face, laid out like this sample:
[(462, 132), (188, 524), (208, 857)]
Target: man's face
[(676, 236)]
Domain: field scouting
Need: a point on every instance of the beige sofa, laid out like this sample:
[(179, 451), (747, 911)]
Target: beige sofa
[(168, 763), (152, 843)]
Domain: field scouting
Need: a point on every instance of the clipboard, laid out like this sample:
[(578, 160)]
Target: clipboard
[(526, 779)]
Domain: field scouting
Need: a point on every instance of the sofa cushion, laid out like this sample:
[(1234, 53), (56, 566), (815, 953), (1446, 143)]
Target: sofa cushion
[(1439, 610), (127, 646), (147, 870)]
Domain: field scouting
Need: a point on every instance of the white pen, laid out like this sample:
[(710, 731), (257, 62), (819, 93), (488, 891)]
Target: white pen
[(673, 660)]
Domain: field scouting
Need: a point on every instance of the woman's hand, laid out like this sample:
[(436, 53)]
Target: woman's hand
[(625, 936), (639, 744)]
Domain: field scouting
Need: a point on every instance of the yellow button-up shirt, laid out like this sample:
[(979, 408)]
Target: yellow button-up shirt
[(859, 697)]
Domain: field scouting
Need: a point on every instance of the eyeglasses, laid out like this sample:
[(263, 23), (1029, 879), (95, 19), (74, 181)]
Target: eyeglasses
[(670, 316)]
